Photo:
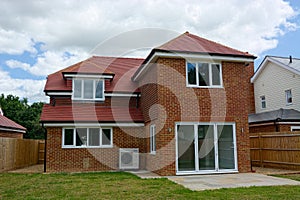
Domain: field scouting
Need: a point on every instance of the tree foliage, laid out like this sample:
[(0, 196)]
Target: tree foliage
[(24, 114)]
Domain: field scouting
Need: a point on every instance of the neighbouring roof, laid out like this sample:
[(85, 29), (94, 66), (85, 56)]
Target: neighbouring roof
[(121, 68), (192, 43), (8, 124), (85, 112), (287, 115), (283, 62)]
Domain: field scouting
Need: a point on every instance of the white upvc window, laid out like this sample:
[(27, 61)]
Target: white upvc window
[(204, 75), (88, 89), (263, 102), (87, 137), (152, 139), (288, 97)]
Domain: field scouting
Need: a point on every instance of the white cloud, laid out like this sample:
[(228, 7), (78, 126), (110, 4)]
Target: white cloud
[(63, 25), (24, 88), (48, 62)]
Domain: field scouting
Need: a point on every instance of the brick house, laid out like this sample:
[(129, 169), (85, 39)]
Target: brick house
[(182, 110), (9, 128), (277, 95)]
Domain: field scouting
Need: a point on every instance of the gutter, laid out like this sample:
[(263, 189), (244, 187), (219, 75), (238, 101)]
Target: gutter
[(45, 148)]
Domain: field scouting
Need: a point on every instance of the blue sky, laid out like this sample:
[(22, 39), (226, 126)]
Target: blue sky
[(38, 38)]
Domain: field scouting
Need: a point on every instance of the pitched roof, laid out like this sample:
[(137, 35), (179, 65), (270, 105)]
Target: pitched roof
[(276, 115), (283, 62), (84, 112), (121, 68), (6, 123), (192, 43)]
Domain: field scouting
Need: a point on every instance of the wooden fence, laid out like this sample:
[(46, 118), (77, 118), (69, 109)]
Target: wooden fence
[(276, 149), (18, 153)]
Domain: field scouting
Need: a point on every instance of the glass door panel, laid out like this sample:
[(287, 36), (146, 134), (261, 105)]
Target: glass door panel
[(186, 147), (206, 147), (226, 147)]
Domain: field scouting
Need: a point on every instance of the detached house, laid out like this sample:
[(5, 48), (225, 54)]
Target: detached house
[(181, 110), (277, 95), (9, 128)]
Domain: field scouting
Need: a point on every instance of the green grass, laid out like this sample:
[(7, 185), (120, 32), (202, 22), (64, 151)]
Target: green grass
[(119, 185)]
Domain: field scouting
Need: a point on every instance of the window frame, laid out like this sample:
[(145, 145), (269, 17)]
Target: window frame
[(87, 133), (289, 91), (210, 64), (263, 101), (295, 128), (95, 81), (153, 139)]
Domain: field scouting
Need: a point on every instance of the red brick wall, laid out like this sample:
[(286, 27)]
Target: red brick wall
[(92, 159), (179, 103), (11, 134)]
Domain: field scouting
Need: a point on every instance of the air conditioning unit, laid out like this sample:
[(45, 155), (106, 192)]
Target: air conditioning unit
[(129, 158)]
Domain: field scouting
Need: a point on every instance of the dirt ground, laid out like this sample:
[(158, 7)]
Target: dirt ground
[(259, 170)]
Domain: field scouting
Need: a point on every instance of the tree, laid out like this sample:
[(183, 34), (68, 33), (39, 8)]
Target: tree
[(24, 114)]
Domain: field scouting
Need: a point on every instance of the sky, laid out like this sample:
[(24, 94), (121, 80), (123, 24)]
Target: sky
[(40, 37)]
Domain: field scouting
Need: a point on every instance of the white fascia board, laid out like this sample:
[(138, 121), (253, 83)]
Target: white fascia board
[(59, 93), (192, 56), (121, 95), (93, 124), (88, 76), (14, 130)]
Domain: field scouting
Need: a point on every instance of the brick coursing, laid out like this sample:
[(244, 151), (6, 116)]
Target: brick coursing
[(270, 128), (92, 159), (180, 103)]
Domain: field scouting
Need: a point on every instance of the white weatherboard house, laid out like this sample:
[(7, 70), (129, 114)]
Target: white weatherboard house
[(277, 90), (277, 84)]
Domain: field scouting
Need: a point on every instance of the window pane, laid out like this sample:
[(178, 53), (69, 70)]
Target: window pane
[(94, 137), (191, 67), (288, 95), (88, 89), (216, 80), (152, 139), (77, 88), (203, 74), (99, 89), (206, 147), (226, 147), (186, 147), (68, 140), (106, 137), (81, 137)]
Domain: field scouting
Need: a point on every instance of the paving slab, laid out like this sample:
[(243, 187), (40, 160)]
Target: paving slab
[(210, 182), (144, 174)]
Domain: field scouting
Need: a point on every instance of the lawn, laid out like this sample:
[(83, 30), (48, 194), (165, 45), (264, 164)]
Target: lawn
[(121, 185)]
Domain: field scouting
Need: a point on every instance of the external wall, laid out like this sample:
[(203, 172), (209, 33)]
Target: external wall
[(179, 103), (11, 134), (92, 159), (270, 128), (272, 83)]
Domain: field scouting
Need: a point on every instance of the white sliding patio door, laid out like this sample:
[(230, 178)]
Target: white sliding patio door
[(205, 148)]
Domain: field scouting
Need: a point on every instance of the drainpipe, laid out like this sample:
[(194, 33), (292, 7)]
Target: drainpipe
[(45, 148)]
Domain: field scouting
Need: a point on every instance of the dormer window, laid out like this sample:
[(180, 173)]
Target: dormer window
[(88, 89)]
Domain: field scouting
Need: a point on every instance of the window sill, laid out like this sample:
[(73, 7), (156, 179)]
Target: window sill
[(205, 87), (153, 153), (85, 147)]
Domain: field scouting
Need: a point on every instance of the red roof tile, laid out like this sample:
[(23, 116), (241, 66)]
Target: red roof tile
[(191, 43), (121, 68), (86, 112), (8, 123)]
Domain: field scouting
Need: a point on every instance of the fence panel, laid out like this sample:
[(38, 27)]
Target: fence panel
[(276, 149), (17, 153)]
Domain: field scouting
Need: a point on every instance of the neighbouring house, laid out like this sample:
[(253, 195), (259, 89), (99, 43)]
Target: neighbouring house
[(277, 95), (181, 110), (9, 128)]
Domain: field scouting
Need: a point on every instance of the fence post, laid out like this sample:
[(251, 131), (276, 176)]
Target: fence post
[(260, 150)]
